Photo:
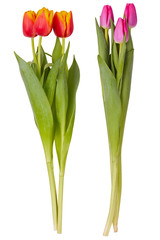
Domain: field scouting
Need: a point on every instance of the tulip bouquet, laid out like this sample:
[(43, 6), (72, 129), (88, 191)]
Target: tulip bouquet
[(115, 61), (51, 89)]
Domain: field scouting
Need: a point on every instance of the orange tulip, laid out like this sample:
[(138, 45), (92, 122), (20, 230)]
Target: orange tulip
[(28, 24), (63, 24), (44, 22)]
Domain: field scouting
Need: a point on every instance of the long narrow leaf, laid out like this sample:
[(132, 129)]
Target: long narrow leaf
[(73, 82), (40, 106), (112, 105), (102, 45), (50, 84)]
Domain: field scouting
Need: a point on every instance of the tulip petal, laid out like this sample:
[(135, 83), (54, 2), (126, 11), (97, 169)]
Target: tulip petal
[(131, 15), (69, 22), (119, 33), (43, 22), (59, 25), (28, 24), (103, 17)]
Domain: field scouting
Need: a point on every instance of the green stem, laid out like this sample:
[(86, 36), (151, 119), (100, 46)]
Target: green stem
[(39, 54), (106, 35), (120, 48), (113, 197), (63, 46), (60, 203), (53, 193), (33, 51), (119, 190)]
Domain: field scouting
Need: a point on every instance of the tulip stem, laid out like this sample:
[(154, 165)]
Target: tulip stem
[(113, 199), (39, 54), (33, 51), (106, 35), (63, 46), (53, 193), (120, 48), (60, 203)]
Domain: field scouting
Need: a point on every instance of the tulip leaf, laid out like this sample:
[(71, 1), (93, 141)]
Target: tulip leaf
[(40, 106), (112, 44), (57, 51), (112, 105), (67, 140), (102, 44), (44, 74), (50, 84), (62, 93), (126, 84), (43, 59), (115, 55), (121, 64), (61, 105), (73, 82), (34, 66)]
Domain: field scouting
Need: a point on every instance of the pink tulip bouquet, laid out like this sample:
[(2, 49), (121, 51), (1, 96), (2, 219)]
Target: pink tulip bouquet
[(115, 61)]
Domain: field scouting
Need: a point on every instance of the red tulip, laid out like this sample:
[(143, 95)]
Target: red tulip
[(120, 30), (131, 15), (63, 24), (44, 22), (28, 24), (106, 16)]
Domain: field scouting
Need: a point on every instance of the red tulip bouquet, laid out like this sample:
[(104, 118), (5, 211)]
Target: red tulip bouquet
[(115, 61), (51, 89)]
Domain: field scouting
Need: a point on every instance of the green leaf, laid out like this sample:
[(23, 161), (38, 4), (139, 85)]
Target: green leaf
[(61, 99), (112, 105), (44, 75), (34, 66), (64, 140), (57, 51), (121, 63), (61, 105), (43, 59), (50, 84), (126, 85), (40, 106), (73, 82), (63, 134), (112, 45), (102, 45), (115, 55), (67, 140)]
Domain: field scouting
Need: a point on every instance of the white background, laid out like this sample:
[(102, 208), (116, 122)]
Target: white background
[(25, 206)]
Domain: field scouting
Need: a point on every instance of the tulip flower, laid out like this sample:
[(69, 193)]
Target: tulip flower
[(28, 24), (120, 30), (105, 20), (131, 15), (63, 24), (43, 22), (106, 16)]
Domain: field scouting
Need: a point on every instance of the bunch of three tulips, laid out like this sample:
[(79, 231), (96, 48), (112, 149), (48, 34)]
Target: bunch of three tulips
[(115, 62), (51, 89)]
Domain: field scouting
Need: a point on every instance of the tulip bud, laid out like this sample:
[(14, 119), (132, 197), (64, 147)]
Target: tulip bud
[(28, 24), (63, 24), (106, 16), (120, 30), (131, 15), (44, 22)]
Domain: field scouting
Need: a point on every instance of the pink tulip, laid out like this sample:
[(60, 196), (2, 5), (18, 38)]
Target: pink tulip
[(120, 30), (106, 16), (131, 15)]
